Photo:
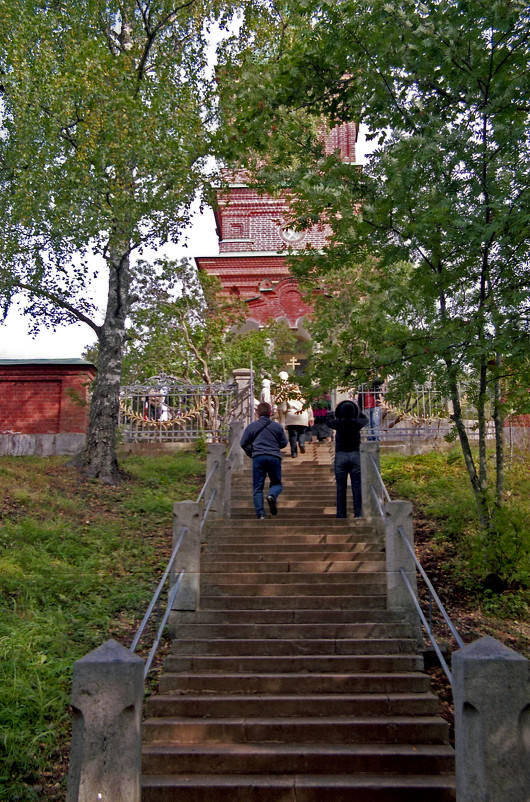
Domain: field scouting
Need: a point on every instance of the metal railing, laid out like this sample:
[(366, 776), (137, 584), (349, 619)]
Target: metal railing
[(165, 410), (432, 595), (154, 605), (424, 414)]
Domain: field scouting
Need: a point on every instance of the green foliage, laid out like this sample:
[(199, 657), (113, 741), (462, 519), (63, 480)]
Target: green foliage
[(78, 564), (430, 480), (108, 119), (426, 272)]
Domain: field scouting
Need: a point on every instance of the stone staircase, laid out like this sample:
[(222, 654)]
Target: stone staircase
[(293, 683)]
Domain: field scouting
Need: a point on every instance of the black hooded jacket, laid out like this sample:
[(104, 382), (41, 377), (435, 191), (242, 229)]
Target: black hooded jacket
[(347, 422)]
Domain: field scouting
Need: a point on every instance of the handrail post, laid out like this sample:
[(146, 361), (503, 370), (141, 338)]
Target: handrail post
[(106, 750), (491, 694), (188, 514), (236, 431), (216, 452), (399, 514), (243, 380), (369, 478)]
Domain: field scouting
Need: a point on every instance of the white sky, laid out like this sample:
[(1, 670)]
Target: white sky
[(68, 342)]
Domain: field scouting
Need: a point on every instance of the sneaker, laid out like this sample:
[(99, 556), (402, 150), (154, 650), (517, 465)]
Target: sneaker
[(273, 507), (262, 517), (302, 449)]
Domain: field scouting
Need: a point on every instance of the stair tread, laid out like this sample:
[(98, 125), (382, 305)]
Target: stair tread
[(310, 748), (270, 780)]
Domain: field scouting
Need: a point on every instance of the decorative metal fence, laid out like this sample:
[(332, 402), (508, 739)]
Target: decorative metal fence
[(165, 410), (424, 414)]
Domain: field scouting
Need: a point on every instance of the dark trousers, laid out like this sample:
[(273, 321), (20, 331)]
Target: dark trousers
[(296, 435), (262, 466), (348, 463)]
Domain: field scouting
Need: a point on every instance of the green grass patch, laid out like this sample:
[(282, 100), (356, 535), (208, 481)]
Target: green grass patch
[(78, 564), (437, 483)]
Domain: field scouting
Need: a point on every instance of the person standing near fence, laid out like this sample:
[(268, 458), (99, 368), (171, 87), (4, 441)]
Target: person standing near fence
[(369, 399), (347, 422), (263, 440)]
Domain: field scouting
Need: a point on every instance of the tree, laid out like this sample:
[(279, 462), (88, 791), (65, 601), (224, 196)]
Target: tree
[(185, 326), (445, 90), (108, 116)]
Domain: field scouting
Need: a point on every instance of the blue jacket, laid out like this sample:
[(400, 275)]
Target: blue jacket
[(269, 439)]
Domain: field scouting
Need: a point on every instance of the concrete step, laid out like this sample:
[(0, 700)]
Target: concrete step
[(239, 547), (264, 539), (301, 730), (289, 683), (350, 527), (292, 758), (293, 646), (299, 788), (283, 664), (342, 564), (314, 602), (295, 587), (259, 579), (333, 617), (331, 630), (283, 705)]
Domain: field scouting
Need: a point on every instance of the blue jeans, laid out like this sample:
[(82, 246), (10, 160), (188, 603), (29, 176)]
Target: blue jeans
[(296, 435), (374, 415), (262, 466), (348, 463)]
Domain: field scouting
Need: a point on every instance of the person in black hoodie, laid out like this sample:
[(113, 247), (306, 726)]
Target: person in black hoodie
[(347, 423)]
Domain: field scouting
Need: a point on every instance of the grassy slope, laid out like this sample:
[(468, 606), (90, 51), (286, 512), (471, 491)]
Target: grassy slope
[(78, 564)]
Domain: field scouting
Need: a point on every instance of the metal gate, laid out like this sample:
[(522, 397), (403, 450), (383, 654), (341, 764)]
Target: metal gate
[(165, 410)]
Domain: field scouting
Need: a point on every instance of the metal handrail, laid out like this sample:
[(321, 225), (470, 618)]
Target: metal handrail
[(207, 510), (232, 449), (174, 590), (378, 503), (377, 473), (425, 624), (158, 591), (430, 588), (207, 480), (435, 596)]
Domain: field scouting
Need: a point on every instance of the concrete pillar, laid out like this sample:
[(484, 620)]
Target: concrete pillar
[(216, 452), (242, 378), (399, 514), (189, 514), (238, 455), (369, 479), (106, 750), (491, 691)]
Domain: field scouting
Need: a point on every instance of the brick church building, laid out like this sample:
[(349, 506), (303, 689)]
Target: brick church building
[(254, 239)]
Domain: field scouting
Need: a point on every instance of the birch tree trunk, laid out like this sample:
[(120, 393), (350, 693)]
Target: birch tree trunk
[(98, 457)]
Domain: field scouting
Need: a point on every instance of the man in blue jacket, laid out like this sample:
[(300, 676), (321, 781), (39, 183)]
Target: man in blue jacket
[(263, 439)]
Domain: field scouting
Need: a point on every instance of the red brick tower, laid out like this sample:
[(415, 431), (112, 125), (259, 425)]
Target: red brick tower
[(254, 239)]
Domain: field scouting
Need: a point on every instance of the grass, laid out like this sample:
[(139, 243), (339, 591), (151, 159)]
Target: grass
[(491, 572), (78, 564)]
